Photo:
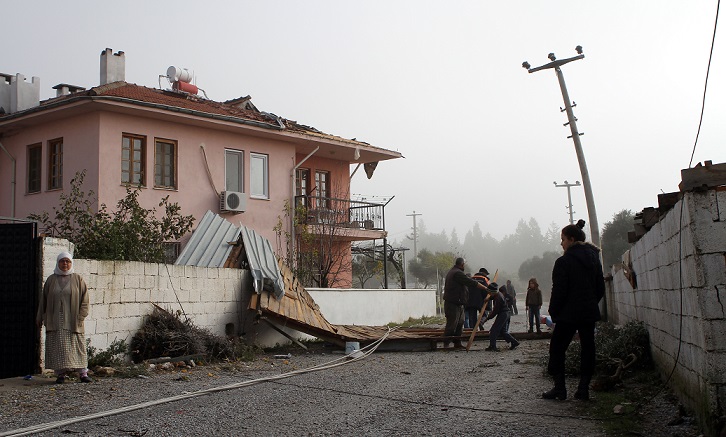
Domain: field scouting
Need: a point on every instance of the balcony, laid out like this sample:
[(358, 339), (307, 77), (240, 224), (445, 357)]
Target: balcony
[(346, 219)]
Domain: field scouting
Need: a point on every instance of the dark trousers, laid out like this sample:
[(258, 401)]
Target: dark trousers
[(533, 316), (454, 321), (561, 338), (498, 330), (470, 317)]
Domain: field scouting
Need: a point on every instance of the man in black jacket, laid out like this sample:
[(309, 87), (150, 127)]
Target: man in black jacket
[(456, 294)]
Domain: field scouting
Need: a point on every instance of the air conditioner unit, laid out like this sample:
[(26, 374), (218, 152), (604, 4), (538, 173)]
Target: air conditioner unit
[(232, 201)]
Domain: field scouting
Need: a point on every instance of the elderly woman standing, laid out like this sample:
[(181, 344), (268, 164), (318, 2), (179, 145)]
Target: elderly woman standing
[(63, 307)]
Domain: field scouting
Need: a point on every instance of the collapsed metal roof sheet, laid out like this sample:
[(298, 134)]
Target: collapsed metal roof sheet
[(263, 262), (210, 243)]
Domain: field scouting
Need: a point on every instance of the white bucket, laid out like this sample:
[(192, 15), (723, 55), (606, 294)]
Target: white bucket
[(351, 346)]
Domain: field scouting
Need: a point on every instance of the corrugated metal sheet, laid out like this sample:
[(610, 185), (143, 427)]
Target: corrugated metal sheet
[(263, 262), (209, 245)]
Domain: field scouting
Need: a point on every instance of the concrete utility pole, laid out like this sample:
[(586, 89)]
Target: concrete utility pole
[(415, 234), (569, 197), (572, 121)]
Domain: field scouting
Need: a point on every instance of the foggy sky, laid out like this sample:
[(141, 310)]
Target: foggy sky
[(441, 82)]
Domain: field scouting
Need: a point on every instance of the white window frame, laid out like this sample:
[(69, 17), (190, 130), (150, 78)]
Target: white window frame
[(240, 156), (259, 168)]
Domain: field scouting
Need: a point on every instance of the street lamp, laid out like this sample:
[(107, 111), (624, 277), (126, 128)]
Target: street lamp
[(572, 121)]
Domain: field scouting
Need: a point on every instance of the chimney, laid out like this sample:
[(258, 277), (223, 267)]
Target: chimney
[(63, 89), (19, 95), (113, 66)]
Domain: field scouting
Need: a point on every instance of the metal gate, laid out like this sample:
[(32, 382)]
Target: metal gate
[(18, 298)]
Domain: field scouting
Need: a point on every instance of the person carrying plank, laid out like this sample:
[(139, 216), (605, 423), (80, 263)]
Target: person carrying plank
[(456, 294), (501, 312)]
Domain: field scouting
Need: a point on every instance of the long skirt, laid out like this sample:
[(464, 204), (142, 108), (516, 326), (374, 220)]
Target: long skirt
[(65, 350)]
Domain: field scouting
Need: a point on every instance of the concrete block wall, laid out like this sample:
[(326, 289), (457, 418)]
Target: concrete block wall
[(121, 293), (680, 295)]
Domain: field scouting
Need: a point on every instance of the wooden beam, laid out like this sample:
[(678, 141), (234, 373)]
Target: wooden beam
[(285, 334)]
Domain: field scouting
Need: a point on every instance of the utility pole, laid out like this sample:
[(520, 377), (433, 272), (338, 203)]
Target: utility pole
[(572, 121), (569, 197), (415, 234), (385, 245)]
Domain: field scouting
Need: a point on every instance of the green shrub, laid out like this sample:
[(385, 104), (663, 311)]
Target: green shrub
[(114, 356), (613, 345)]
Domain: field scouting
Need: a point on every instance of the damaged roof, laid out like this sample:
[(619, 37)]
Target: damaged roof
[(238, 110)]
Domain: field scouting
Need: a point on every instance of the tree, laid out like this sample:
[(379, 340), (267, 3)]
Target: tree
[(615, 237), (322, 256), (539, 267), (131, 232), (365, 267), (427, 265)]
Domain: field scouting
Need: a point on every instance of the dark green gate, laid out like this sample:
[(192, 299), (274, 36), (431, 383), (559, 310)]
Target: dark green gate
[(18, 298)]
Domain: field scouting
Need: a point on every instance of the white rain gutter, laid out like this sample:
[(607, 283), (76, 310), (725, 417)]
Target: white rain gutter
[(12, 182), (292, 203)]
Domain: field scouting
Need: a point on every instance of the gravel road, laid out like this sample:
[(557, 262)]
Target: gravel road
[(394, 393)]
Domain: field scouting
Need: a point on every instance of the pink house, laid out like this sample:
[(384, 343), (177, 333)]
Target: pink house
[(227, 157)]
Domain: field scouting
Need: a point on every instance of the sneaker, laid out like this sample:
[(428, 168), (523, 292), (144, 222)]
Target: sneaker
[(514, 346), (492, 349), (86, 379), (60, 380)]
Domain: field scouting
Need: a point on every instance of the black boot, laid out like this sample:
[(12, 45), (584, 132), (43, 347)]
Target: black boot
[(583, 389), (559, 391)]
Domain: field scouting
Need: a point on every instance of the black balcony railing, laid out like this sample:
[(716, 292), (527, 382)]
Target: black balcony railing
[(312, 210)]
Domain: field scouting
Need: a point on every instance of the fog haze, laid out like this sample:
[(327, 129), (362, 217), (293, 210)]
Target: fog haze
[(441, 82)]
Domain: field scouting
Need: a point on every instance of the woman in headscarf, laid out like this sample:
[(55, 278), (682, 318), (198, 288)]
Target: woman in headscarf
[(63, 308)]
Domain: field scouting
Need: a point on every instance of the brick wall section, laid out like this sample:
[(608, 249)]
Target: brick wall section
[(121, 293), (691, 251)]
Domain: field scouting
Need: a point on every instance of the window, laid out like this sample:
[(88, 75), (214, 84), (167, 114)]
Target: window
[(133, 150), (55, 164), (302, 181), (234, 167), (259, 186), (165, 164), (302, 185), (35, 158), (322, 188)]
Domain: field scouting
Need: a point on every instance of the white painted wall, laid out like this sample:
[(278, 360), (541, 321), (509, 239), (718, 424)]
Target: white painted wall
[(373, 307), (687, 251)]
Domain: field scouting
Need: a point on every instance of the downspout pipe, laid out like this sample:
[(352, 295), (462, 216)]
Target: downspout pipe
[(12, 181), (292, 200)]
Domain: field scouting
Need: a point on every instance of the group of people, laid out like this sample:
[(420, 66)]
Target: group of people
[(465, 296), (577, 288)]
